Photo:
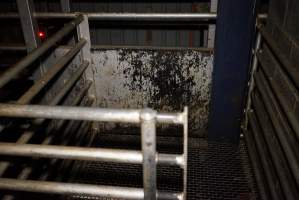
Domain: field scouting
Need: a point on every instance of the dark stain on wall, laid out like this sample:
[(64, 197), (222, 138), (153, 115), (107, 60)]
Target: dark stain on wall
[(165, 80)]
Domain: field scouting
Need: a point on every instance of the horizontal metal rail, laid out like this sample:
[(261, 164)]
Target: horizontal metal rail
[(83, 113), (269, 64), (280, 163), (137, 17), (70, 83), (4, 47), (27, 135), (36, 53), (83, 153), (286, 137), (264, 155), (254, 157), (51, 73), (8, 47), (80, 189), (26, 172), (292, 70)]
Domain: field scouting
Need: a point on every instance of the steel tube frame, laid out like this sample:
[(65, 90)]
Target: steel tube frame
[(256, 165), (29, 24), (274, 85), (80, 189), (70, 83), (279, 161), (185, 152), (21, 47), (82, 113), (148, 141), (27, 135), (36, 53), (81, 153), (137, 17), (271, 176), (251, 83), (286, 139), (8, 47), (23, 140), (146, 117), (50, 74), (286, 64)]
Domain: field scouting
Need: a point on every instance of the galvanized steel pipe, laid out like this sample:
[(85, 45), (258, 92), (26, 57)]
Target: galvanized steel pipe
[(36, 53), (80, 189), (136, 17), (81, 153), (50, 74), (82, 113)]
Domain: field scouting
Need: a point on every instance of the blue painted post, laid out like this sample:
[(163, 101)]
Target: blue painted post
[(234, 34)]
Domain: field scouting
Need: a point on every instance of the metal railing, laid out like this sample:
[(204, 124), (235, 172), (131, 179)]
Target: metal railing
[(149, 157), (271, 120), (133, 17), (63, 78), (35, 54), (64, 116)]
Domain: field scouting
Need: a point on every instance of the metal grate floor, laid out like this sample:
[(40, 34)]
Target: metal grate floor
[(216, 171)]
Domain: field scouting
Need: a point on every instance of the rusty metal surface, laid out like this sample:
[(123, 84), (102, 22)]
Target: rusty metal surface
[(163, 80)]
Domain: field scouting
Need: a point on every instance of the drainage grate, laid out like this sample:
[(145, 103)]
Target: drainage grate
[(216, 171)]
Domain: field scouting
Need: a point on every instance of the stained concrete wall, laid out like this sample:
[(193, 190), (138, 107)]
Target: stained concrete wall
[(165, 80)]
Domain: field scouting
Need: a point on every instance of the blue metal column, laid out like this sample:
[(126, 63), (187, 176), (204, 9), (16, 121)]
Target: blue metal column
[(234, 34)]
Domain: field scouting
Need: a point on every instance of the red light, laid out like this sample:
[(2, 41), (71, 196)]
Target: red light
[(41, 34)]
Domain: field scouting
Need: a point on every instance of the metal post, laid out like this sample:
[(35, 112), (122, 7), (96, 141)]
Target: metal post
[(185, 153), (83, 33), (65, 6), (233, 44), (212, 27), (29, 24), (148, 138), (251, 80), (30, 31)]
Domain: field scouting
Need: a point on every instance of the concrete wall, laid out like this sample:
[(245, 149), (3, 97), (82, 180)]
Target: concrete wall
[(165, 80)]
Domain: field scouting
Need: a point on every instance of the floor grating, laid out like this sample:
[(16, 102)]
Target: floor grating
[(215, 171)]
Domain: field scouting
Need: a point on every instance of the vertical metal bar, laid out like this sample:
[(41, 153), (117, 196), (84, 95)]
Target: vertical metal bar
[(29, 24), (212, 28), (251, 83), (148, 138), (83, 32), (30, 31), (235, 25), (65, 6), (185, 149)]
